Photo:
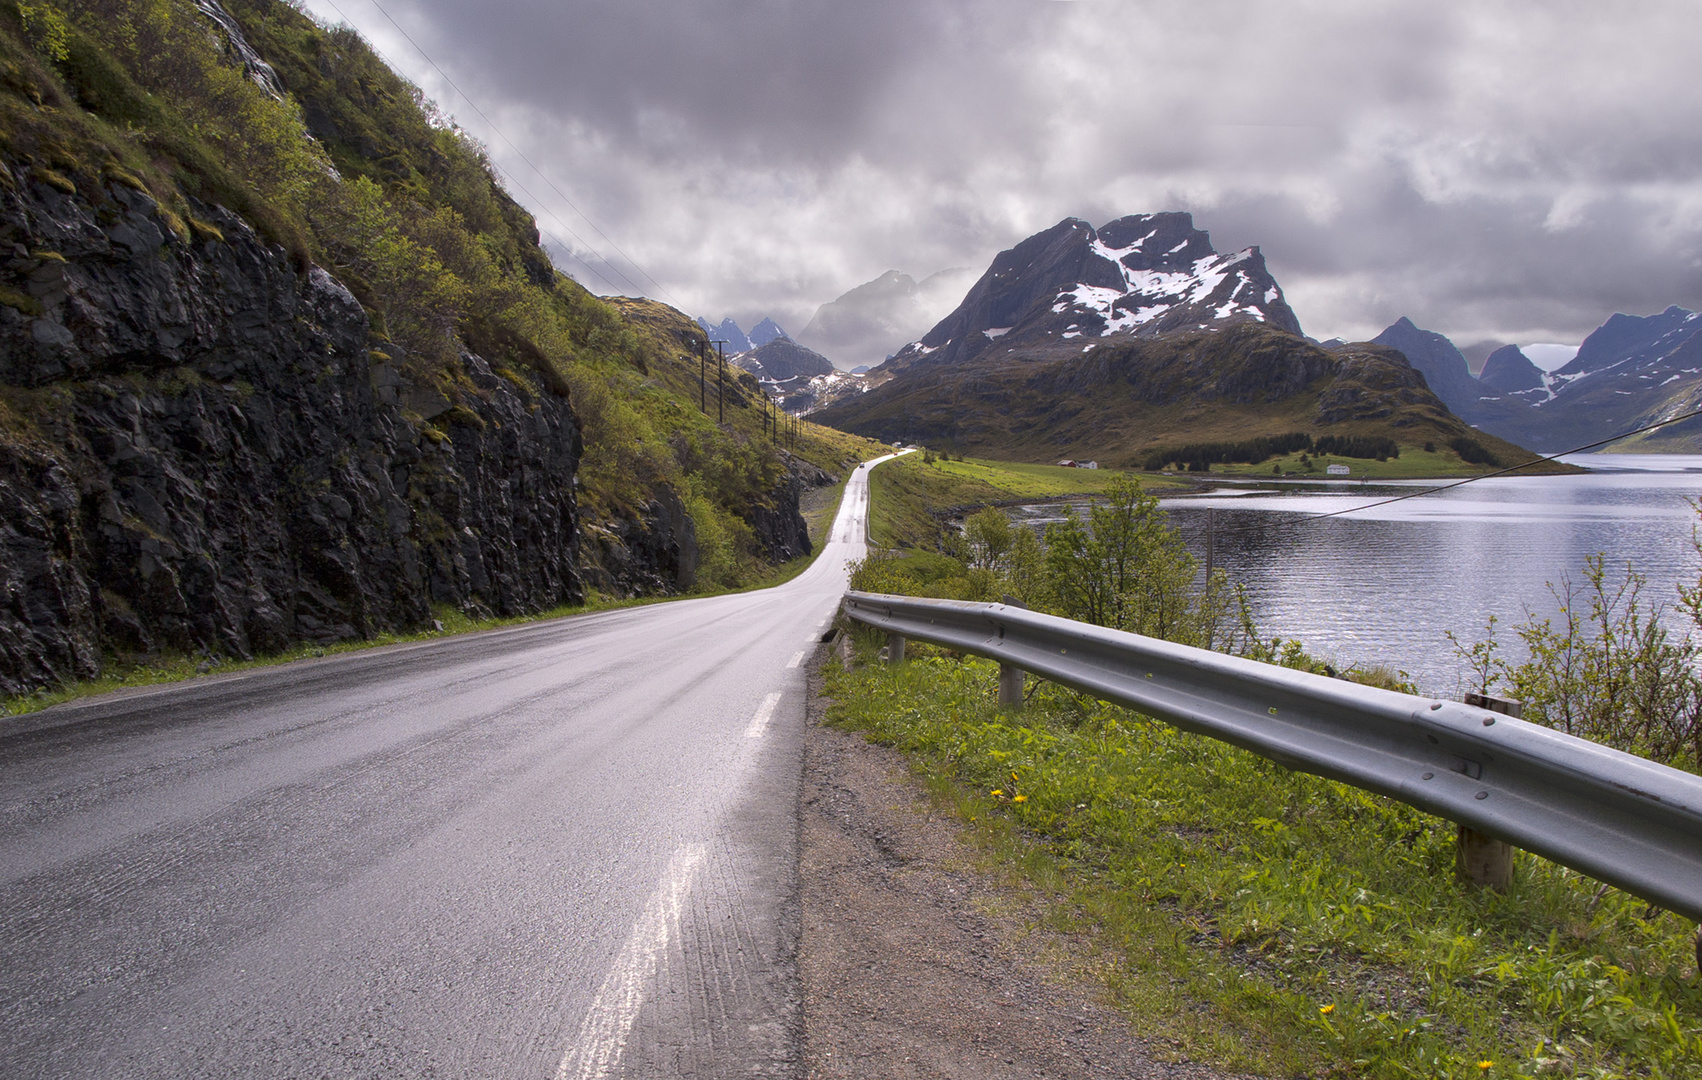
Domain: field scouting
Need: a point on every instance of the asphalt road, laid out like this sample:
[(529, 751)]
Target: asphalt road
[(567, 849)]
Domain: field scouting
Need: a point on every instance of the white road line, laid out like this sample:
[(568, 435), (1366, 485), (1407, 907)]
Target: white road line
[(795, 661), (759, 722), (602, 1037)]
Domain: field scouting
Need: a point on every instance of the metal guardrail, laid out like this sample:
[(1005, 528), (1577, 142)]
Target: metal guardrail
[(1614, 816)]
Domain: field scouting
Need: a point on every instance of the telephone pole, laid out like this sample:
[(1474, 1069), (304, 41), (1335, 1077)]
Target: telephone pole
[(720, 383), (702, 393)]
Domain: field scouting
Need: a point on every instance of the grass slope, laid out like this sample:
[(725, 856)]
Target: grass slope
[(908, 495), (1121, 401), (1272, 921)]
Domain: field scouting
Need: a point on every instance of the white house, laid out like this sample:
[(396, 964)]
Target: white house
[(1338, 470)]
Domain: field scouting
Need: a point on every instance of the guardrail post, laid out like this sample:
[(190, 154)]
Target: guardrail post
[(1478, 859), (1010, 686), (895, 648)]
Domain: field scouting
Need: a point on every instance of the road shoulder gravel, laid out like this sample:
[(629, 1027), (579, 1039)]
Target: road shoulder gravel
[(915, 963)]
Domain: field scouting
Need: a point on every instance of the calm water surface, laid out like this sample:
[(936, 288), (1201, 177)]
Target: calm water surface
[(1380, 585)]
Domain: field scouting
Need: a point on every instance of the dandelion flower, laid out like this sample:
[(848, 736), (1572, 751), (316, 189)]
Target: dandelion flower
[(1019, 798), (1326, 1009), (1486, 1065), (997, 792)]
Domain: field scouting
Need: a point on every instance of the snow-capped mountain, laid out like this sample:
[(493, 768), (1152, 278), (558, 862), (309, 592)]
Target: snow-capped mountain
[(1509, 371), (728, 332), (766, 331), (737, 341), (1631, 371), (1074, 286)]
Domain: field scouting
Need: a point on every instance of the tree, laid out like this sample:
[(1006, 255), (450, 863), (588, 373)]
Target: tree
[(989, 536)]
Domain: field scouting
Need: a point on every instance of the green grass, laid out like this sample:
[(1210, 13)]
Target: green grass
[(906, 494), (1415, 463), (1268, 920)]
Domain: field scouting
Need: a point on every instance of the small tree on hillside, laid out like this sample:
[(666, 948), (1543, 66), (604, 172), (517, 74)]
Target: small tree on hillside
[(989, 536)]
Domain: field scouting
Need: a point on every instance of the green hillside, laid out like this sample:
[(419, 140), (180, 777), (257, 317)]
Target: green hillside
[(1127, 405), (354, 170)]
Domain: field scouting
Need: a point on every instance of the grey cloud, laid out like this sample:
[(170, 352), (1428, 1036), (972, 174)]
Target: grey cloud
[(1495, 171)]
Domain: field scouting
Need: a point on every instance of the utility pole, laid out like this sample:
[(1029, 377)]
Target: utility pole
[(702, 394), (720, 383)]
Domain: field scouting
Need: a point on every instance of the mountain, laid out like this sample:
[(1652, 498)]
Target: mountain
[(1509, 371), (729, 333), (1135, 338), (781, 360), (872, 321), (1444, 366), (1072, 287), (764, 332), (1632, 343), (1630, 372)]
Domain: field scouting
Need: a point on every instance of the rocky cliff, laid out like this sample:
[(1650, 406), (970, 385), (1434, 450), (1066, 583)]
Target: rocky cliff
[(202, 448)]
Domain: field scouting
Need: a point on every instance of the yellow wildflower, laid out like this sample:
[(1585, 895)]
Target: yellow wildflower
[(1486, 1065), (1326, 1009), (998, 792), (1019, 798)]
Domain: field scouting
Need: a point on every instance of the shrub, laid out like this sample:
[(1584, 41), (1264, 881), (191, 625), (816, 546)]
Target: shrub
[(1472, 452)]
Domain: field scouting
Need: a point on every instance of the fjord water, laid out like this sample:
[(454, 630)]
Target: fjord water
[(1381, 585)]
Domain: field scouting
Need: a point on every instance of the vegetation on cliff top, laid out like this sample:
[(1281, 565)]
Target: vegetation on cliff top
[(353, 169)]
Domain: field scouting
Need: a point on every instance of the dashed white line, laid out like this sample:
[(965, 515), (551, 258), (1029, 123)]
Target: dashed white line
[(795, 661), (764, 712), (603, 1034)]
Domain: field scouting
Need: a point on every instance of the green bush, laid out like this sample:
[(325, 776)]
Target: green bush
[(1605, 667)]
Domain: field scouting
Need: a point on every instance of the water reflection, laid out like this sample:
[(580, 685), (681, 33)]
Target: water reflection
[(1380, 585)]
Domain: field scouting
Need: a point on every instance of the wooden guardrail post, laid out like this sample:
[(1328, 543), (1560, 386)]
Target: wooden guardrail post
[(1482, 860), (895, 648)]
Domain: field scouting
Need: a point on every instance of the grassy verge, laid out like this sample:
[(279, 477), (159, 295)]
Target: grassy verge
[(905, 493), (1269, 920)]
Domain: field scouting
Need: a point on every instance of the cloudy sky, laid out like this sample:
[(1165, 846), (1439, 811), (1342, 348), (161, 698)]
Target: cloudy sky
[(1516, 171)]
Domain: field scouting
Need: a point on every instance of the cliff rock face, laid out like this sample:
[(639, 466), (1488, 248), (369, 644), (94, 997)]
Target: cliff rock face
[(780, 528), (651, 554), (201, 449)]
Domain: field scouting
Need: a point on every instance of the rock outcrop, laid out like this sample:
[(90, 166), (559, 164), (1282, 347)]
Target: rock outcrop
[(202, 448)]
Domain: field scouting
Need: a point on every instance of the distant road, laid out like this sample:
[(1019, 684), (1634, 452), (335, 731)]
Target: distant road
[(566, 849)]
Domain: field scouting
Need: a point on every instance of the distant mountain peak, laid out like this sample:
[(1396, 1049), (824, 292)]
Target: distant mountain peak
[(869, 323), (1072, 286), (727, 331), (766, 331), (1510, 371)]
